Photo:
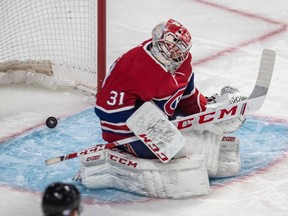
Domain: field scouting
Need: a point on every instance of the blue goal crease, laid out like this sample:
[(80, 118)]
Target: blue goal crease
[(22, 159)]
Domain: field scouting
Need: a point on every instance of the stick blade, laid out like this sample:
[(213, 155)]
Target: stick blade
[(264, 78), (265, 73)]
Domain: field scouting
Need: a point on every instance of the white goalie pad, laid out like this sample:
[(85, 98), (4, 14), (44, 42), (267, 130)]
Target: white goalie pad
[(180, 178), (229, 163), (205, 143)]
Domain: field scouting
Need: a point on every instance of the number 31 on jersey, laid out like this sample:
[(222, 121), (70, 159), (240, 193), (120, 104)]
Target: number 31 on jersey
[(115, 98)]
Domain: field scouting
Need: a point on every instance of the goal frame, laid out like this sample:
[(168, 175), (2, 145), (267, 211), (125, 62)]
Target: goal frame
[(101, 43), (29, 56)]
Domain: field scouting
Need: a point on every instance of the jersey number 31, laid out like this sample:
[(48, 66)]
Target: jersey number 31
[(115, 98)]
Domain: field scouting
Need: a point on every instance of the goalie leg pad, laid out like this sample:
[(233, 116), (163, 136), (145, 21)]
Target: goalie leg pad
[(229, 163), (180, 178), (205, 143)]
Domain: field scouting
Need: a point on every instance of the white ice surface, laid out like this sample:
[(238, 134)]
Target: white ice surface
[(236, 39)]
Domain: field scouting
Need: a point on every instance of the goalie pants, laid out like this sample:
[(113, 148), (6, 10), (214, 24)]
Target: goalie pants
[(138, 149)]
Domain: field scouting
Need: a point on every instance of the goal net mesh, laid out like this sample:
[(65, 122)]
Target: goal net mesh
[(59, 35)]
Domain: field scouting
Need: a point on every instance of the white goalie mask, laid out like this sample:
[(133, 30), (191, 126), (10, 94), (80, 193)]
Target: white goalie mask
[(171, 44)]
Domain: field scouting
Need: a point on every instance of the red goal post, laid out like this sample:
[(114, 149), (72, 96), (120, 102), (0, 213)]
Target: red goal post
[(62, 41)]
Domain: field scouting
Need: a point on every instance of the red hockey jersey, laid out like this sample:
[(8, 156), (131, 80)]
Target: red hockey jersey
[(137, 77)]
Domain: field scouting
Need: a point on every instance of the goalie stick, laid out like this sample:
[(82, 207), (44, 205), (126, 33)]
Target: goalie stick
[(221, 113), (251, 104)]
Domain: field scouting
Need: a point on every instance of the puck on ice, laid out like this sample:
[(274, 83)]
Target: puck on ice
[(51, 122)]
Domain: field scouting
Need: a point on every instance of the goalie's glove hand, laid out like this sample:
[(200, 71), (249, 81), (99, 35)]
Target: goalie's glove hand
[(228, 95)]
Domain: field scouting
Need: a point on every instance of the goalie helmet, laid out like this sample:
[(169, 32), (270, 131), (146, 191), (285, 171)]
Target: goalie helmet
[(171, 44), (60, 199)]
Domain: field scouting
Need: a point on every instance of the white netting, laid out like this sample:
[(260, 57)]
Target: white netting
[(60, 31)]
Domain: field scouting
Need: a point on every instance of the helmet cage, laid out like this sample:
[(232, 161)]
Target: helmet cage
[(173, 47), (171, 44)]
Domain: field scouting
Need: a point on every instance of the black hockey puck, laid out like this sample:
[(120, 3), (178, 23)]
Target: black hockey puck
[(51, 122)]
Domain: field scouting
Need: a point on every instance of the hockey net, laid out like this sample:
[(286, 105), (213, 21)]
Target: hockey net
[(50, 42)]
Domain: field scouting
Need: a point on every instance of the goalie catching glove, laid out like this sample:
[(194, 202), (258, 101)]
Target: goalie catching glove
[(228, 95)]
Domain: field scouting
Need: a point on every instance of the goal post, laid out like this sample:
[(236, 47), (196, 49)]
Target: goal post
[(101, 57), (58, 39)]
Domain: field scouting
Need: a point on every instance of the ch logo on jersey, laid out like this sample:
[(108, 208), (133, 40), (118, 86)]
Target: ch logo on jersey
[(172, 102)]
